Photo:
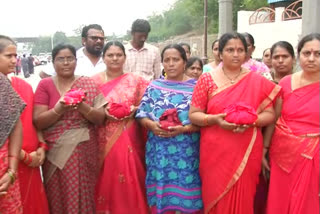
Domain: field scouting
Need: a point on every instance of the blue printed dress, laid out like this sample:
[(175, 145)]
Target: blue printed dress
[(173, 181)]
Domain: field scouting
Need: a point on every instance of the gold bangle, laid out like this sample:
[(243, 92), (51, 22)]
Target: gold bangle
[(56, 113), (205, 120), (90, 110)]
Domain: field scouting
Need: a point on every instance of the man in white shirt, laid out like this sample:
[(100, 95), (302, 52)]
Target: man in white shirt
[(89, 58), (141, 57)]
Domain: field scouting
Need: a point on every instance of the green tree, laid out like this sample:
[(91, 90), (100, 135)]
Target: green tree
[(42, 45), (59, 37), (187, 15)]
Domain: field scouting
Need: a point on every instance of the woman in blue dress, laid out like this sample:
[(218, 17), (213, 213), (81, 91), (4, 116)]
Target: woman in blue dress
[(172, 150)]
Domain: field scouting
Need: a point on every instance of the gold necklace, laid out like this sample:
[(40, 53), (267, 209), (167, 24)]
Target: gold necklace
[(232, 81)]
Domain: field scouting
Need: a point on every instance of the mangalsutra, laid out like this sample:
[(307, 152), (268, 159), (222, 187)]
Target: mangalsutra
[(232, 81)]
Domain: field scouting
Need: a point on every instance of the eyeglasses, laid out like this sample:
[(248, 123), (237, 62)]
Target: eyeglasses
[(68, 59), (309, 53), (96, 38)]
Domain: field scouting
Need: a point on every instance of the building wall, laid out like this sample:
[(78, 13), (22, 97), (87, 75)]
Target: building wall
[(266, 34)]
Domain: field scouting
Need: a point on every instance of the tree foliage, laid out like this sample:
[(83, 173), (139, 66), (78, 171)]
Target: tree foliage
[(188, 15), (45, 43)]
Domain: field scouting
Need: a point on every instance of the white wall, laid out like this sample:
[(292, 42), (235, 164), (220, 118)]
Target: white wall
[(266, 34)]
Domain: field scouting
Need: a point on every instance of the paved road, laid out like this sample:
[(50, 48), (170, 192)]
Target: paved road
[(34, 79)]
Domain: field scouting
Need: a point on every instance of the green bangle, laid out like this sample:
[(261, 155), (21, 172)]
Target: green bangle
[(12, 176)]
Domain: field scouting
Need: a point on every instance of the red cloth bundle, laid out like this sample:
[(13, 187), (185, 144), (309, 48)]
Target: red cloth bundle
[(240, 113), (74, 96), (119, 110), (169, 118)]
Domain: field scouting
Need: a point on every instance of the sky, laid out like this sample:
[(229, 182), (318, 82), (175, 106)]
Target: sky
[(31, 18)]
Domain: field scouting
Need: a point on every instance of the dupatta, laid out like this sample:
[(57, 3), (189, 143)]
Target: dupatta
[(223, 153)]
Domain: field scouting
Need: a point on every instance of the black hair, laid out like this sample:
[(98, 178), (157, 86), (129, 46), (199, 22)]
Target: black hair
[(140, 25), (192, 60), (213, 43), (265, 50), (185, 44), (85, 29), (283, 44), (5, 41), (250, 37), (228, 36), (113, 43), (60, 47), (178, 48), (308, 38)]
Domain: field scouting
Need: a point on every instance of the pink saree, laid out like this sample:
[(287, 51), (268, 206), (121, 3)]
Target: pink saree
[(294, 152), (121, 184), (230, 162)]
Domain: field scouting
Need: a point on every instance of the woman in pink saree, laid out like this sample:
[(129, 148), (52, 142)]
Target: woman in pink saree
[(121, 183), (294, 148), (231, 146)]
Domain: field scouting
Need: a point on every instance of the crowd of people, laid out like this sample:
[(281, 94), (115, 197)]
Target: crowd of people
[(127, 129)]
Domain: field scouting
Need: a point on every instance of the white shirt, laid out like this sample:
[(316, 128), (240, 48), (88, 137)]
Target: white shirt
[(84, 66)]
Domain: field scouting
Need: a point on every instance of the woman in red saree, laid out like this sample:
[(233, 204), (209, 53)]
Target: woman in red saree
[(31, 156), (70, 169), (121, 183), (11, 107), (294, 149), (33, 197), (230, 152)]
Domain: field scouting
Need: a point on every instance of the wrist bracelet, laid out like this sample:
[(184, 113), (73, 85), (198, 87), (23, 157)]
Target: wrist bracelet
[(43, 145), (90, 110), (56, 113), (14, 157), (205, 120), (12, 174), (24, 156)]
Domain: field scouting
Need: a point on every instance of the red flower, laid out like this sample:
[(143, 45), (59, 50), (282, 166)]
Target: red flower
[(119, 110), (240, 113), (74, 96), (169, 118)]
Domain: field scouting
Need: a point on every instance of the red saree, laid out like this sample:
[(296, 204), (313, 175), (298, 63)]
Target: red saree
[(121, 184), (34, 200), (11, 107), (230, 162), (70, 169), (294, 152)]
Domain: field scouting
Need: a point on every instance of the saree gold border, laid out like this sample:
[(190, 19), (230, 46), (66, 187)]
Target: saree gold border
[(307, 152), (269, 99), (226, 85), (238, 173), (126, 124)]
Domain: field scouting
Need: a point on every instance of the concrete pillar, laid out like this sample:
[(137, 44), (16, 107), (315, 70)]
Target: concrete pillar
[(225, 16), (310, 17)]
